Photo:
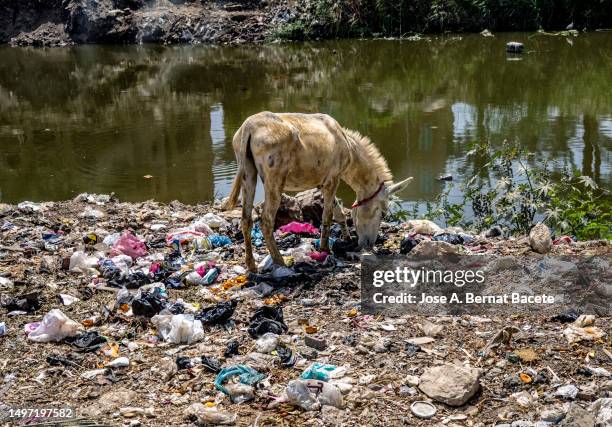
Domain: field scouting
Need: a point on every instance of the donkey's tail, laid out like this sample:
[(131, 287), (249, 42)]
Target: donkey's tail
[(243, 154)]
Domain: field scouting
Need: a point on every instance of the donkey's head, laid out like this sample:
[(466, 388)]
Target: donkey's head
[(369, 212)]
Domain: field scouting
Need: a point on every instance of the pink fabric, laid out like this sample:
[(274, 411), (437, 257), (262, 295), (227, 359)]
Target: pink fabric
[(319, 256), (129, 245), (299, 228)]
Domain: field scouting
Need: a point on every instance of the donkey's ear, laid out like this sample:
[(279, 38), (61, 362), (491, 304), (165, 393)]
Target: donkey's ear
[(394, 188)]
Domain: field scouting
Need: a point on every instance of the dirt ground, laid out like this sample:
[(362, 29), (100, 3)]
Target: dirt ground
[(530, 375)]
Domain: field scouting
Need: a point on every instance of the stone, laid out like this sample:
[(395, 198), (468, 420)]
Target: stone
[(113, 400), (577, 416), (540, 239), (315, 342), (450, 384), (308, 353), (433, 248)]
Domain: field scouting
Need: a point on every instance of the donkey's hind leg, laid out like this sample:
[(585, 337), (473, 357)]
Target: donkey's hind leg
[(271, 204), (248, 195)]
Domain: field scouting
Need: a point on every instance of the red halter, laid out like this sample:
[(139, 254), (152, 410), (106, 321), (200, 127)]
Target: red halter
[(367, 199)]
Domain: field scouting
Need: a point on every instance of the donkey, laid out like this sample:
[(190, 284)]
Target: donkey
[(296, 152)]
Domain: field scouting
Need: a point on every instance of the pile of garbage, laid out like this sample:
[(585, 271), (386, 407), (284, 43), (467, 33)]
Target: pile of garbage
[(143, 314)]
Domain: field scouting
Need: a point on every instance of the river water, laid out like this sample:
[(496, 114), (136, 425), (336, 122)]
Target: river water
[(100, 118)]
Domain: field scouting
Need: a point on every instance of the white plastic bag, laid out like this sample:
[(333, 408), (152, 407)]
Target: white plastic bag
[(55, 326), (81, 262), (178, 328)]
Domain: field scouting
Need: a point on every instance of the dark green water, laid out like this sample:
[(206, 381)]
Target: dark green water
[(99, 118)]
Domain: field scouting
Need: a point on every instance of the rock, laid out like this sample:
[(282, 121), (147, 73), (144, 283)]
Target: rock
[(450, 384), (602, 411), (514, 47), (578, 417), (318, 343), (412, 380), (308, 353), (432, 249), (99, 22), (540, 239), (423, 226)]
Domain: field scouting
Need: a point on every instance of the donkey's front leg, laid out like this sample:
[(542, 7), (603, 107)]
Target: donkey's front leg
[(271, 204), (329, 198)]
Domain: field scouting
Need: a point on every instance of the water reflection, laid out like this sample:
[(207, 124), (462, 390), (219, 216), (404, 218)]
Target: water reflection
[(99, 118)]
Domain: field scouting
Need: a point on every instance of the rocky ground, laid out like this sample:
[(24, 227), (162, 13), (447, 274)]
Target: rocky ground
[(117, 362), (66, 22)]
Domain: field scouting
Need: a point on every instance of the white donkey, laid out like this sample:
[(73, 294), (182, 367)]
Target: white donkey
[(296, 152)]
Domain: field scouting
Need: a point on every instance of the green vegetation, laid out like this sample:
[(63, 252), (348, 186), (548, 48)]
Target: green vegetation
[(357, 18), (515, 192)]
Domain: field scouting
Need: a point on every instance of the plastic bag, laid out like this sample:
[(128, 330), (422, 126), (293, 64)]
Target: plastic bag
[(302, 228), (211, 220), (323, 372), (319, 256), (408, 243), (82, 263), (267, 319), (88, 341), (246, 375), (218, 313), (218, 241), (178, 328), (312, 394), (266, 343), (148, 305), (55, 326), (129, 245), (240, 393), (257, 238)]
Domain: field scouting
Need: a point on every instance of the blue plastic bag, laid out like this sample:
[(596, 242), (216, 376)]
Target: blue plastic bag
[(246, 375)]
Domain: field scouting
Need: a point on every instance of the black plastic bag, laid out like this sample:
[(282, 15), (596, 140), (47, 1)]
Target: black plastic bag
[(87, 341), (218, 313), (407, 244), (286, 356), (290, 241), (26, 302), (341, 247), (232, 349), (148, 305), (453, 239), (567, 316), (267, 319)]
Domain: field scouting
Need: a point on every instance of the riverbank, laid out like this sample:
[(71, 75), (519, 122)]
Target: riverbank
[(67, 22), (123, 370)]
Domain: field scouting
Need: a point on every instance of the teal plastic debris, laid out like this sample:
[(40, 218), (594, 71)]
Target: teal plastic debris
[(246, 375), (257, 237), (218, 241), (318, 371)]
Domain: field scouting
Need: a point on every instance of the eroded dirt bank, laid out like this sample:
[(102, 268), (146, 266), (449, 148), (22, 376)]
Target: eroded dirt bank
[(119, 364), (65, 22)]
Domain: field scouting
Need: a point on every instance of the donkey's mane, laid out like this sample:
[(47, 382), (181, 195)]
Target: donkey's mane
[(363, 148)]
